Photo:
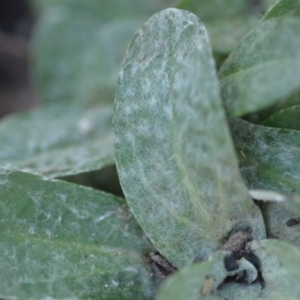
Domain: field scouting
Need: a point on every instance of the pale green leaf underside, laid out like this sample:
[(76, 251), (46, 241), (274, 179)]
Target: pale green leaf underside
[(268, 156), (262, 69), (287, 118), (58, 140), (62, 241), (283, 8), (280, 270), (174, 155)]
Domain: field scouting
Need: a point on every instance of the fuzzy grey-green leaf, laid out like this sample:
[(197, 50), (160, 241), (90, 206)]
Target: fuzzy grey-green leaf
[(206, 281), (283, 8), (282, 222), (226, 21), (287, 118), (79, 61), (267, 156), (174, 155), (62, 241), (58, 140), (280, 269), (262, 70), (187, 283)]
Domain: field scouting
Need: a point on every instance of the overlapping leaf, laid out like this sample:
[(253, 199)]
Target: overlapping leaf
[(280, 269), (58, 140), (108, 9), (205, 281), (287, 118), (226, 21), (267, 156), (283, 8), (76, 57), (174, 155), (62, 241), (278, 265), (262, 70), (282, 222)]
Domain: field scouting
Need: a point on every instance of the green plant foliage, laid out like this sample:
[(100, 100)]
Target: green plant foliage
[(69, 48), (68, 242), (226, 21), (284, 7), (282, 222), (262, 70), (169, 152), (212, 208), (203, 281), (108, 9), (286, 118), (99, 75), (58, 140), (267, 156), (280, 269), (186, 284)]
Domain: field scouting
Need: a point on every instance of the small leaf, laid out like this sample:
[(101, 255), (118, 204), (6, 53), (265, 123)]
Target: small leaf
[(267, 156), (282, 222), (58, 140), (63, 241), (177, 167), (284, 8), (237, 291), (281, 215), (205, 281), (287, 118), (280, 269), (262, 70), (186, 284)]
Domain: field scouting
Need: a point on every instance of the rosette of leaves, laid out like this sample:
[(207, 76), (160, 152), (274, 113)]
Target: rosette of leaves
[(178, 167), (189, 213)]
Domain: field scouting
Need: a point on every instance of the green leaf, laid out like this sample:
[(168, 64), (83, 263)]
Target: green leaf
[(59, 46), (281, 214), (237, 291), (267, 156), (282, 222), (262, 70), (79, 61), (226, 21), (265, 116), (107, 9), (63, 241), (58, 140), (280, 269), (178, 170), (205, 281), (102, 61), (286, 118), (283, 8), (187, 283)]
